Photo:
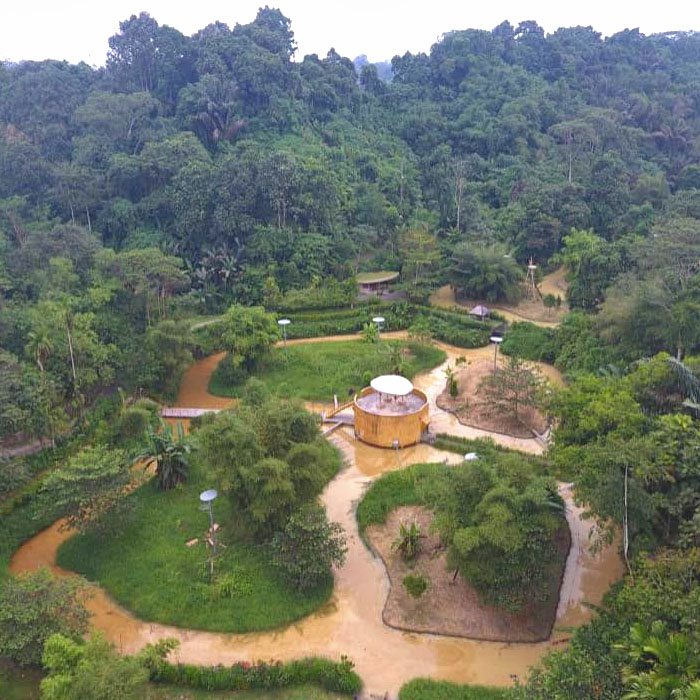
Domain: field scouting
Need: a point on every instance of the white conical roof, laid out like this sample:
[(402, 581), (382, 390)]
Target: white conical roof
[(392, 384)]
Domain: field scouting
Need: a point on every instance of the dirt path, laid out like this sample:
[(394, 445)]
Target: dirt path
[(554, 283), (351, 623), (433, 382)]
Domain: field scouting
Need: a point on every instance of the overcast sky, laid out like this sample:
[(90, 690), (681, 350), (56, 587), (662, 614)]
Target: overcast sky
[(78, 29)]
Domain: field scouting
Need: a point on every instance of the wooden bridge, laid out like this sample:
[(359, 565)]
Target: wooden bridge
[(175, 412)]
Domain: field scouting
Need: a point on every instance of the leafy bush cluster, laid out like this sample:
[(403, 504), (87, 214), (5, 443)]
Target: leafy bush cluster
[(269, 459), (338, 677), (320, 294), (496, 514), (308, 547), (530, 342), (573, 346), (664, 588), (416, 585), (14, 474), (135, 419), (78, 670), (34, 606)]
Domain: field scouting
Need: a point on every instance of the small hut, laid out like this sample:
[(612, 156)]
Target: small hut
[(480, 311), (375, 282)]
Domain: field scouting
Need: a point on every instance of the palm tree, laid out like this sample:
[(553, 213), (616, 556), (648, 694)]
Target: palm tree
[(397, 356), (408, 541), (691, 692), (665, 666), (39, 347), (169, 452)]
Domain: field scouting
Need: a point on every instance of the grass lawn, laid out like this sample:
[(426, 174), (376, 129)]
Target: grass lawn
[(406, 487), (316, 371), (146, 567)]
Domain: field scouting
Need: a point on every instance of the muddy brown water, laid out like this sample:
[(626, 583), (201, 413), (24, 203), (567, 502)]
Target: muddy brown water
[(351, 623)]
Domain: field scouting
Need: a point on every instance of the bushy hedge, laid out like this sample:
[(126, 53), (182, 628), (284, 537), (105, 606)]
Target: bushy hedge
[(451, 327), (530, 342), (448, 326), (326, 294), (336, 677)]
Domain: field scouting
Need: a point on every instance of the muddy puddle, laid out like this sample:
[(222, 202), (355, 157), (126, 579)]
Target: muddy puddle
[(351, 623)]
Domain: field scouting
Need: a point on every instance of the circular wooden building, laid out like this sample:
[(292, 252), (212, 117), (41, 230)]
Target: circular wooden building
[(390, 412)]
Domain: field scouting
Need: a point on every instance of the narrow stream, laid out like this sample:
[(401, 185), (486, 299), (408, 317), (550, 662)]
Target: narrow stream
[(351, 623)]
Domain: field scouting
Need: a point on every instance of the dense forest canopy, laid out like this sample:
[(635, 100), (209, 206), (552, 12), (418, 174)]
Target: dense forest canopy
[(190, 173), (223, 140)]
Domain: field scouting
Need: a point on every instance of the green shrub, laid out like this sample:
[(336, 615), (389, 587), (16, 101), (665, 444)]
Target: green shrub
[(229, 374), (337, 677), (408, 541), (14, 473), (34, 606), (78, 670), (549, 300), (256, 393), (132, 424), (415, 585), (308, 548), (320, 294), (230, 585), (530, 342)]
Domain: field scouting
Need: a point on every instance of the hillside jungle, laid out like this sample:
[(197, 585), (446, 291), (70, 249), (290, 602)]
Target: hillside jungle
[(179, 200)]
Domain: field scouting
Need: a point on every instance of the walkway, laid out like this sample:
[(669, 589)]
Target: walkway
[(170, 412), (553, 283)]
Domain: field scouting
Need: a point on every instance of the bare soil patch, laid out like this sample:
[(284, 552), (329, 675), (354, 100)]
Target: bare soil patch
[(527, 309), (471, 407), (535, 310), (452, 607)]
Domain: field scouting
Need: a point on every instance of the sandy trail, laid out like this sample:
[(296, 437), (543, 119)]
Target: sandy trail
[(553, 283), (351, 623)]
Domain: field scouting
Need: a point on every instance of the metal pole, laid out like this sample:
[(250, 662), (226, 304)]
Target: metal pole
[(496, 340), (284, 322)]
